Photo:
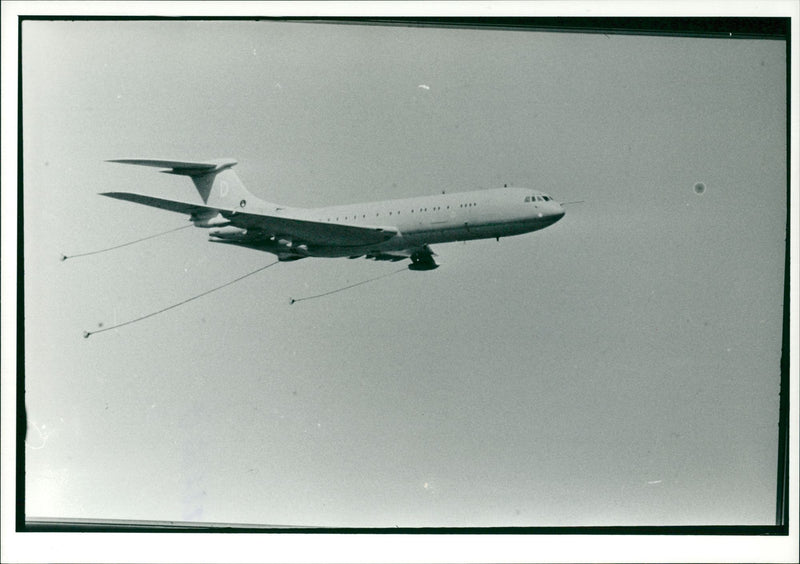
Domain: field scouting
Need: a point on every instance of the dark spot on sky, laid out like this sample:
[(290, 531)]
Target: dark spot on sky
[(699, 188)]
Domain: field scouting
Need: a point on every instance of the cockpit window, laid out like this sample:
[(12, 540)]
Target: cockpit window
[(527, 198)]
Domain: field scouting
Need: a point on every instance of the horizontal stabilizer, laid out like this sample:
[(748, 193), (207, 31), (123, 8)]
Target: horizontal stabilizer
[(189, 168)]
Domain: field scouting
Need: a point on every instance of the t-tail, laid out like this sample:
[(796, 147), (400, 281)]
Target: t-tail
[(216, 182)]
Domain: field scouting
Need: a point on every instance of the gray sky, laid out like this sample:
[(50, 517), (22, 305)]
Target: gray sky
[(618, 368)]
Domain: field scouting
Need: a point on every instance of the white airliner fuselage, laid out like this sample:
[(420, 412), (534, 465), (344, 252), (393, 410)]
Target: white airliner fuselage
[(388, 230), (443, 218)]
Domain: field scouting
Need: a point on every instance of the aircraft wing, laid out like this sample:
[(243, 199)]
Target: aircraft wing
[(314, 232), (171, 205), (301, 230)]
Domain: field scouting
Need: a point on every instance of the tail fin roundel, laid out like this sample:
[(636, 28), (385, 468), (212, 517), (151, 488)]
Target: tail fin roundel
[(217, 184)]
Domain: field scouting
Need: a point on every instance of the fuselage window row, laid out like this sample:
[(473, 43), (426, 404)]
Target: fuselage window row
[(421, 210)]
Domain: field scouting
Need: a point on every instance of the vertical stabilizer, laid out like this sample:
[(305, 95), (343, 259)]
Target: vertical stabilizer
[(221, 188)]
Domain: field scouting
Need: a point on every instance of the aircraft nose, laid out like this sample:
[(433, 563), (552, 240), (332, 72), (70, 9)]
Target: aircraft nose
[(552, 214)]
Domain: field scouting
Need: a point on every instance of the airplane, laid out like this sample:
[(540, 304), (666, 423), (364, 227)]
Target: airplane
[(391, 230)]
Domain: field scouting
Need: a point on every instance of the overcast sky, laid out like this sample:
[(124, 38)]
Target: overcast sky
[(618, 368)]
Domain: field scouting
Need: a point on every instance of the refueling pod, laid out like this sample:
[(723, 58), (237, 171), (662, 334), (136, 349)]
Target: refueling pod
[(228, 232)]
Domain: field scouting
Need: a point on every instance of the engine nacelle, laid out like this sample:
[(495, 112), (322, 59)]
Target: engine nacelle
[(228, 232), (212, 221)]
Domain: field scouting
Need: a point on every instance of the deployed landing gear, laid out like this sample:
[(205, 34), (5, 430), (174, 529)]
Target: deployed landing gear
[(422, 261)]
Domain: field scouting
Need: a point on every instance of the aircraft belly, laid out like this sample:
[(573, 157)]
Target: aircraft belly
[(462, 231)]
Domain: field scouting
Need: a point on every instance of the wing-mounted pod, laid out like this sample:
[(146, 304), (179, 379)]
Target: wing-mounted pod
[(228, 232)]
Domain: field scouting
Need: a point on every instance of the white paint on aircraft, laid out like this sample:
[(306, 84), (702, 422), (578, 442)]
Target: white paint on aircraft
[(389, 230)]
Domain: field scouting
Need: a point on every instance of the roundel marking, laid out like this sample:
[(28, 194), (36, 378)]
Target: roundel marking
[(243, 203)]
